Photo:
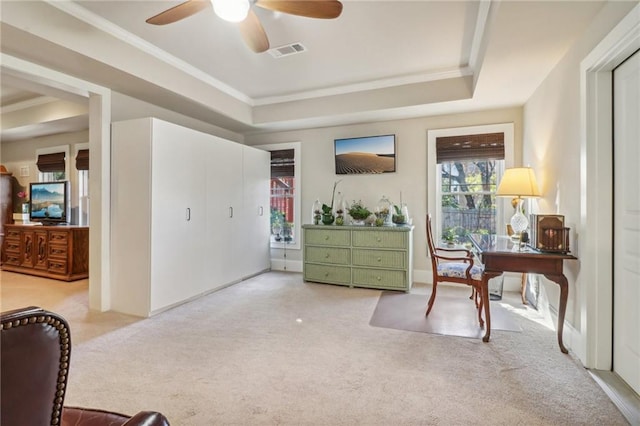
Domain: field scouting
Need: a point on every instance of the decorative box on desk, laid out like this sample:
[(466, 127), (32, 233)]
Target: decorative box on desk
[(359, 256)]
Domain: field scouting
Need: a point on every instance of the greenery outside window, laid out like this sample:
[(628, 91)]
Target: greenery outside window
[(285, 194)]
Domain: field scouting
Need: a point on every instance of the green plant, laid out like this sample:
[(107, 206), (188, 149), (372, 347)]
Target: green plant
[(449, 235), (327, 210), (358, 211)]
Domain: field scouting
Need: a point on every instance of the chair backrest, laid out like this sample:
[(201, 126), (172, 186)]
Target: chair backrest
[(35, 347), (430, 243)]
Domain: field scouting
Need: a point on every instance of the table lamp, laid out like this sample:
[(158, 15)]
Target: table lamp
[(518, 182)]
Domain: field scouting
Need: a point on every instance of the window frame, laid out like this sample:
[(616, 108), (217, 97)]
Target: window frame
[(434, 193), (297, 195), (82, 182)]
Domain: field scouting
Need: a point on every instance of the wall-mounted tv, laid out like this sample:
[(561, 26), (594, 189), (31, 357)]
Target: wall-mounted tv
[(49, 202), (369, 154)]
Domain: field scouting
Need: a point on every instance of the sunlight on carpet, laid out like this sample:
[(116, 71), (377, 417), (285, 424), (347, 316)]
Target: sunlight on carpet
[(451, 316)]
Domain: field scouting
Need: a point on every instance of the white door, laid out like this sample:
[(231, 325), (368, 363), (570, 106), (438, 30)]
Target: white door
[(256, 176), (224, 208), (626, 237)]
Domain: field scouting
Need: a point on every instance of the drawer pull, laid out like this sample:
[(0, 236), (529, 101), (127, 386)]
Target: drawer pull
[(326, 256), (379, 239), (379, 259), (379, 278), (326, 274), (326, 238)]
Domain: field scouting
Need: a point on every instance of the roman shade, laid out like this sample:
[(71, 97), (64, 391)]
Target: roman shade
[(488, 146), (82, 160), (51, 162)]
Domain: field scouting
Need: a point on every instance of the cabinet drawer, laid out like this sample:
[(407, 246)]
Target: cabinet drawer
[(12, 259), (327, 237), (338, 256), (379, 278), (12, 246), (59, 237), (327, 274), (380, 258), (380, 239), (57, 266), (12, 234), (58, 251)]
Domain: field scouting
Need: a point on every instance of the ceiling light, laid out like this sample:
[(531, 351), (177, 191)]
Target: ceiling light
[(231, 10)]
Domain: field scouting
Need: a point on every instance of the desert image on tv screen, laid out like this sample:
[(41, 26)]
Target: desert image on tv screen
[(47, 201), (374, 154)]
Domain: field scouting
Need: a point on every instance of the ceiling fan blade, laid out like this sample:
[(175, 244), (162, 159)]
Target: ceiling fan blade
[(322, 9), (176, 13), (253, 33)]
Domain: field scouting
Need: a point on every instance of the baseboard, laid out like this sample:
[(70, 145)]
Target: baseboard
[(286, 265)]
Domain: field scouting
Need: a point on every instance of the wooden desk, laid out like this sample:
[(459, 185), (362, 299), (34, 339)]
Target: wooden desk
[(499, 255)]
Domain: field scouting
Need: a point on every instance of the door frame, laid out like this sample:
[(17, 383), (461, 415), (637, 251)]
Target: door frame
[(596, 187)]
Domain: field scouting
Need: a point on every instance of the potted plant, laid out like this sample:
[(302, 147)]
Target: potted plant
[(327, 210), (359, 212), (449, 236)]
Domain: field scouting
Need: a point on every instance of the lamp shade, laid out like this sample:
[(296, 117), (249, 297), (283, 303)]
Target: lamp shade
[(518, 182)]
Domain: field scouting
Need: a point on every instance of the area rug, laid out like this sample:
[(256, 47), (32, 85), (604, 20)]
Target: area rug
[(451, 316)]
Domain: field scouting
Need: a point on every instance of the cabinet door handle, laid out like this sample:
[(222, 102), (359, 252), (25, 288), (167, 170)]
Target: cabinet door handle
[(230, 212), (261, 211), (188, 216)]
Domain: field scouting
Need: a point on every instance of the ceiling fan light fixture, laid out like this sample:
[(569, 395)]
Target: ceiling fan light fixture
[(231, 10)]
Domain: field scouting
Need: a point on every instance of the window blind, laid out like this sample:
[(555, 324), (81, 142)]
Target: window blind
[(488, 146), (282, 163), (82, 160), (51, 162)]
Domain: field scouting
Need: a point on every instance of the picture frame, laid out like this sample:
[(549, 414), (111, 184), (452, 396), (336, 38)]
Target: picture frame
[(365, 155)]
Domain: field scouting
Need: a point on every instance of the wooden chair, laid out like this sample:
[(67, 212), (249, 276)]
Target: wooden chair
[(456, 266)]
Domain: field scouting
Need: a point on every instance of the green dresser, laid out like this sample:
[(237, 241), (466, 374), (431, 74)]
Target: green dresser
[(359, 256)]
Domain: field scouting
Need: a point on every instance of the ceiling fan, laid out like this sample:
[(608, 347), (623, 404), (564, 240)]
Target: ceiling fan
[(240, 11)]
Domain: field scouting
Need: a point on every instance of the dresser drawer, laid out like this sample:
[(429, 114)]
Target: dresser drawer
[(58, 237), (327, 274), (12, 246), (327, 237), (58, 251), (379, 278), (12, 234), (380, 258), (380, 239), (12, 259), (57, 266), (338, 256)]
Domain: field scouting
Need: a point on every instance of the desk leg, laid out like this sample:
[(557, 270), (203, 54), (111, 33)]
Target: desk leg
[(561, 280), (486, 276)]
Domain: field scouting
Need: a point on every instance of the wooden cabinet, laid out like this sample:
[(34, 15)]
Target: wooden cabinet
[(58, 252), (359, 256), (180, 219), (6, 205)]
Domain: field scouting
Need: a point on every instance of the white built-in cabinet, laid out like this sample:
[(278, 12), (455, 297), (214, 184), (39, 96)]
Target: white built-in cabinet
[(190, 214)]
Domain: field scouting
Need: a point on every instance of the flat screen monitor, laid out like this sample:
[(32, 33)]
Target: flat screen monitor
[(49, 202)]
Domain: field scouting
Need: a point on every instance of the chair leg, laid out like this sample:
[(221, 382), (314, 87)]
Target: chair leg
[(432, 298), (481, 305)]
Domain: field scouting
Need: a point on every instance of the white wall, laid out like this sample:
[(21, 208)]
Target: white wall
[(552, 141), (318, 170)]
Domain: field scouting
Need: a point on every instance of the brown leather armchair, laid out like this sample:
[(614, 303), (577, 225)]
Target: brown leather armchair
[(35, 349)]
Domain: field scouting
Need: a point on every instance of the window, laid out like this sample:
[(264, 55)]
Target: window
[(52, 163), (467, 165), (285, 194), (82, 166)]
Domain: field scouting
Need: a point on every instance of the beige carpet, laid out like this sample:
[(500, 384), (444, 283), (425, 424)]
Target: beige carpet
[(274, 350), (450, 315)]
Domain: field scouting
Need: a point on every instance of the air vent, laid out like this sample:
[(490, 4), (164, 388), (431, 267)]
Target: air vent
[(287, 50)]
